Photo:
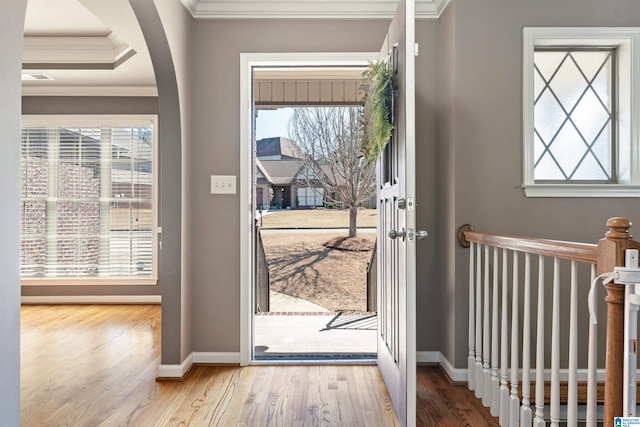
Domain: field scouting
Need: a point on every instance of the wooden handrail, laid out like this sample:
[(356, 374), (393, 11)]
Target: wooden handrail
[(583, 252)]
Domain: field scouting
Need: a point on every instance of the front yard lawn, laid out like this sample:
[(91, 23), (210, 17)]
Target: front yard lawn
[(317, 218), (300, 266)]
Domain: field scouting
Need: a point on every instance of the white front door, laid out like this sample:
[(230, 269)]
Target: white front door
[(396, 224)]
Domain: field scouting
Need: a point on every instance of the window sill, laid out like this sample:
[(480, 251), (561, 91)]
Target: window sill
[(81, 281), (581, 190)]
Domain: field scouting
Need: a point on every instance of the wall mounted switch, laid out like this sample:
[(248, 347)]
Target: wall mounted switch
[(223, 184)]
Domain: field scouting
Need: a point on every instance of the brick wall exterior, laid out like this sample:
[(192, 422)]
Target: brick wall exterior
[(78, 223)]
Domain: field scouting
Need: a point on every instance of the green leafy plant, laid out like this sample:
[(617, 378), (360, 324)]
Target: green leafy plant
[(377, 109)]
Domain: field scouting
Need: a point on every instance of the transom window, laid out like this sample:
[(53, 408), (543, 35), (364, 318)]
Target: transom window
[(88, 200), (580, 112)]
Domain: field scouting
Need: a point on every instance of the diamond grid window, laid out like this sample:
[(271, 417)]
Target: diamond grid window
[(574, 132)]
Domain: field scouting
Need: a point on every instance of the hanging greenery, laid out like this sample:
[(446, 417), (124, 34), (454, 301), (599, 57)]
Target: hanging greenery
[(378, 106)]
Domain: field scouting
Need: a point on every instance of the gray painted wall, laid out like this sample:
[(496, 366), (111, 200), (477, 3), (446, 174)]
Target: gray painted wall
[(481, 130), (215, 243), (60, 105), (170, 126), (11, 27), (177, 26), (429, 290)]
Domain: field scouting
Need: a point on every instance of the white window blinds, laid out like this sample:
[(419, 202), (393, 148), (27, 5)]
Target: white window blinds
[(87, 202)]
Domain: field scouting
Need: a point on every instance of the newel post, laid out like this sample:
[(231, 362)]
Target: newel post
[(611, 253)]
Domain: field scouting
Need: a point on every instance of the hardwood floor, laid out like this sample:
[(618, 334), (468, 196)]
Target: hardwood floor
[(441, 403), (96, 366)]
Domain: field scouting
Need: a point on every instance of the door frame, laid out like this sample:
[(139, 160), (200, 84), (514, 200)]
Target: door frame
[(247, 62)]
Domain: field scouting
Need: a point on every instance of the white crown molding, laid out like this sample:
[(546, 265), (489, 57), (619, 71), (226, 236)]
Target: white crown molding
[(308, 9), (83, 52), (37, 90)]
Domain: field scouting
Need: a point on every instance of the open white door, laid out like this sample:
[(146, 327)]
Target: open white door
[(396, 224)]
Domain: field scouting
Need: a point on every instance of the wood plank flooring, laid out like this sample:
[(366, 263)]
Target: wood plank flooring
[(96, 366)]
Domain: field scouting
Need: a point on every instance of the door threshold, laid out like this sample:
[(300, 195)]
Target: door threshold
[(317, 359)]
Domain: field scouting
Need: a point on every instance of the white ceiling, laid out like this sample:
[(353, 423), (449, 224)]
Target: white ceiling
[(96, 47), (89, 47), (62, 18)]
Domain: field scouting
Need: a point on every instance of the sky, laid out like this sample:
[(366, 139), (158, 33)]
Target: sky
[(272, 123)]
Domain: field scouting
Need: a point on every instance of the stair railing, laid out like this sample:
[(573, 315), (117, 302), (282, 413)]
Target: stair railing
[(500, 349)]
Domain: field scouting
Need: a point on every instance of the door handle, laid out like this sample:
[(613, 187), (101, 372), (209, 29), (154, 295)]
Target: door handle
[(421, 234), (393, 234)]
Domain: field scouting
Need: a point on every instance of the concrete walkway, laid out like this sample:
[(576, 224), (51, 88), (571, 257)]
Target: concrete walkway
[(305, 330), (318, 336), (284, 303)]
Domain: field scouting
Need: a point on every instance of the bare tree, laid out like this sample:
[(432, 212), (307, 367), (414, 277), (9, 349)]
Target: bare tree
[(330, 140)]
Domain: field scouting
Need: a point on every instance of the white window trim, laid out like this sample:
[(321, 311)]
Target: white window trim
[(628, 39), (102, 121)]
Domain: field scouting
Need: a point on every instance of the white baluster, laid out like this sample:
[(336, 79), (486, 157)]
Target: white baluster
[(539, 419), (592, 416), (525, 410), (471, 360), (495, 355), (479, 384), (514, 400), (486, 354), (504, 346), (555, 346), (572, 392)]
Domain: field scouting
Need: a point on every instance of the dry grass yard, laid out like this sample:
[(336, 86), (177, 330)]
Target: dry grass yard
[(302, 267), (317, 218)]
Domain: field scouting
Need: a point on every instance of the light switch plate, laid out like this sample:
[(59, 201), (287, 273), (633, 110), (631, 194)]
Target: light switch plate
[(223, 184)]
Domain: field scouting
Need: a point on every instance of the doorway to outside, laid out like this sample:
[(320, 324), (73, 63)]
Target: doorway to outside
[(305, 301)]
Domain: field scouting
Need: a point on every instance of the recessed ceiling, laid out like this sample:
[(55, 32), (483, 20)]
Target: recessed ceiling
[(117, 61), (311, 9), (59, 18), (86, 48)]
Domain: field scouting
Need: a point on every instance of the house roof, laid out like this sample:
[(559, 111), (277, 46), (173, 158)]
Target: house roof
[(263, 171), (282, 172), (277, 146)]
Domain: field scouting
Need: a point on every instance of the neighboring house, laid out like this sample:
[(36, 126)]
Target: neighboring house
[(280, 176), (277, 148)]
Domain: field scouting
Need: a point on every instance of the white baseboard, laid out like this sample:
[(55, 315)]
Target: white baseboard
[(456, 375), (216, 357), (428, 357), (93, 299), (178, 371), (461, 375), (175, 371)]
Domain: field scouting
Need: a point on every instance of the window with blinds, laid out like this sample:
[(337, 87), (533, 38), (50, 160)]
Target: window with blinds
[(87, 202)]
